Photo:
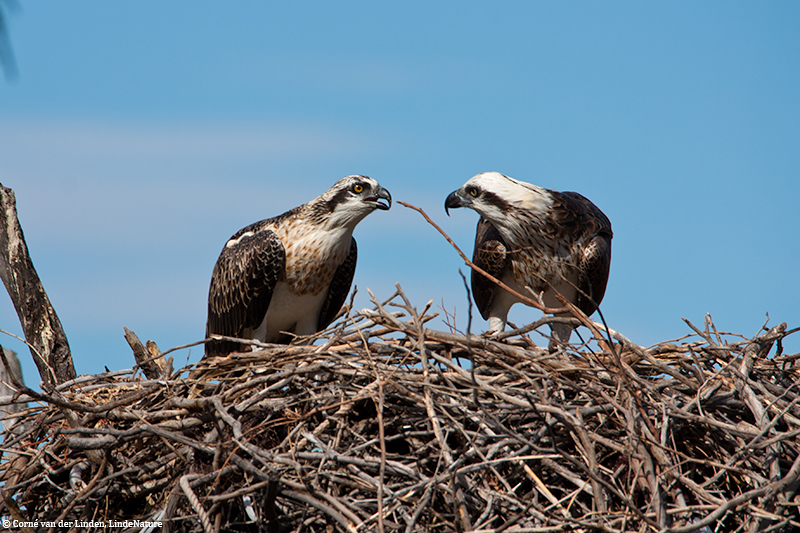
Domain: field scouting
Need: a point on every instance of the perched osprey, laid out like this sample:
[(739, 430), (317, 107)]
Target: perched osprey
[(290, 273), (553, 242)]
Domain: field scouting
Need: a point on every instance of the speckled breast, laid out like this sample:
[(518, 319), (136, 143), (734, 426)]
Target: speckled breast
[(540, 262), (311, 260)]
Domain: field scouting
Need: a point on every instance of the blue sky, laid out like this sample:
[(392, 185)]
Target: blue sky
[(140, 135)]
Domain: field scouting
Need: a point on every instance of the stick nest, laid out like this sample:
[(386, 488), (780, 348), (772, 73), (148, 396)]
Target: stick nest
[(381, 424)]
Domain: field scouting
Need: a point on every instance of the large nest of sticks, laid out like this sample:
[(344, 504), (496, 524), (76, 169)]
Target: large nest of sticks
[(381, 424)]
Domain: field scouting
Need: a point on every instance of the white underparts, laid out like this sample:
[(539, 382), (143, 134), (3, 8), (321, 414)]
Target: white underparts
[(290, 312), (503, 300)]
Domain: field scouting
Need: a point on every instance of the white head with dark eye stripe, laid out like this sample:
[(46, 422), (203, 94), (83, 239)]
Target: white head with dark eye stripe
[(494, 195), (349, 201)]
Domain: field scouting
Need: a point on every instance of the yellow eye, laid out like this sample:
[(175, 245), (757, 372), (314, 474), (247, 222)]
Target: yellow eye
[(473, 192), (357, 188)]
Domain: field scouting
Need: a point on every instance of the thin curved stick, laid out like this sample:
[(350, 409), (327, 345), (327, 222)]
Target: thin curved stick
[(529, 301)]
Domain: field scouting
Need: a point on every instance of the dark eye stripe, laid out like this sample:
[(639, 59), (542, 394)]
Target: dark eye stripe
[(493, 199)]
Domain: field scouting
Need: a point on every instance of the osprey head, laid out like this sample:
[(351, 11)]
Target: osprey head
[(350, 200), (493, 195)]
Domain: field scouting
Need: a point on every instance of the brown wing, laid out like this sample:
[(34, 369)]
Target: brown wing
[(577, 217), (594, 273), (241, 286), (574, 215), (490, 255), (340, 286)]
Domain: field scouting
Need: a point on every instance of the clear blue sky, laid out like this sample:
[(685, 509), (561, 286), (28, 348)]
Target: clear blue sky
[(140, 135)]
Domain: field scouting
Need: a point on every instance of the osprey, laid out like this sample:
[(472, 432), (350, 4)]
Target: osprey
[(290, 273), (553, 242)]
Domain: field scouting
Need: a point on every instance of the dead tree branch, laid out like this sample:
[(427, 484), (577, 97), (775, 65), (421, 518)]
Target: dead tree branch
[(42, 328)]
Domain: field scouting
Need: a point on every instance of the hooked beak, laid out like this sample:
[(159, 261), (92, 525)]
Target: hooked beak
[(381, 194), (454, 199)]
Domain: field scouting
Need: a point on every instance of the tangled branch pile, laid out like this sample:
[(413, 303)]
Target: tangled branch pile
[(384, 425)]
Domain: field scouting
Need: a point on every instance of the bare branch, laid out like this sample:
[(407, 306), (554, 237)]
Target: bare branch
[(42, 328)]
